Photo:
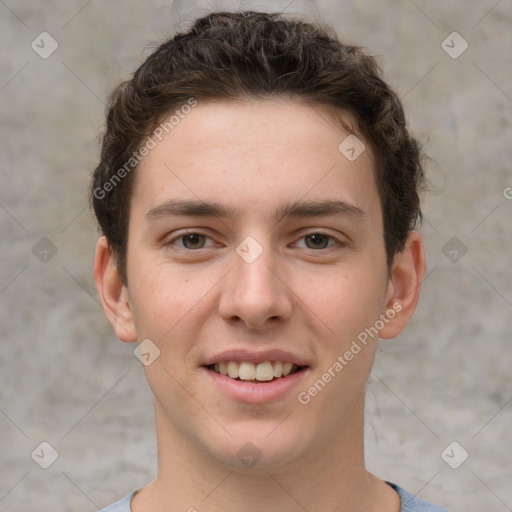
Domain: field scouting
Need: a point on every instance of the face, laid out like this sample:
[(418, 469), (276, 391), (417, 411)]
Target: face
[(256, 248)]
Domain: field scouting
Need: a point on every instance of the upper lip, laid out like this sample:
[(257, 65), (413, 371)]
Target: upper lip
[(256, 357)]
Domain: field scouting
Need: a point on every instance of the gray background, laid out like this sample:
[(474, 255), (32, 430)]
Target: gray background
[(68, 381)]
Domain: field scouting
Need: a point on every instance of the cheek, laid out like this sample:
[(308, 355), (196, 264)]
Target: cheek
[(166, 302), (346, 299), (346, 310)]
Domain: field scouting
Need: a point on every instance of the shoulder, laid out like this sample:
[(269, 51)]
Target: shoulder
[(123, 505), (411, 503)]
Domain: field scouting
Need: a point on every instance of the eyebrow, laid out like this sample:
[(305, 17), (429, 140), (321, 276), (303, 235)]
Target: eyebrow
[(297, 209)]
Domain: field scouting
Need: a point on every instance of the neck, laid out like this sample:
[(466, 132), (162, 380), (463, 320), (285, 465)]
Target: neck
[(330, 475)]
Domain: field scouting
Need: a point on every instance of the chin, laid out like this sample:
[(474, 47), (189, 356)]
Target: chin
[(254, 449)]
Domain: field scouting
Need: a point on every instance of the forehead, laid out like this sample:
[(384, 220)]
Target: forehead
[(254, 155)]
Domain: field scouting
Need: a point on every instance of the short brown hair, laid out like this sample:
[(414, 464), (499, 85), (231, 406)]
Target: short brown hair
[(226, 56)]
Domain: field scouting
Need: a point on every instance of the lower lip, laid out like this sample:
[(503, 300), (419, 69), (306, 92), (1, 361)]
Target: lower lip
[(251, 392)]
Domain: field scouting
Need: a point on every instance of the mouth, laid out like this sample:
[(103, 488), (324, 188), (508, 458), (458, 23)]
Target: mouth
[(256, 377), (259, 373)]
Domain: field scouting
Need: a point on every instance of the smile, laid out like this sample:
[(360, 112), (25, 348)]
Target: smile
[(261, 372)]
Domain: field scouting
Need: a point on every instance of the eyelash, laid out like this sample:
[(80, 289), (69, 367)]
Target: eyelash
[(321, 233)]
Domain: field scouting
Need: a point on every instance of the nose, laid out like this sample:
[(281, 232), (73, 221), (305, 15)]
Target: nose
[(255, 292)]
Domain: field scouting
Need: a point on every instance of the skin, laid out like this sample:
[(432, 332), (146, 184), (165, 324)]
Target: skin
[(311, 300)]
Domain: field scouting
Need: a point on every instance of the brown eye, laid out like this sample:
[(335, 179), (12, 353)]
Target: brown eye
[(193, 240), (318, 241)]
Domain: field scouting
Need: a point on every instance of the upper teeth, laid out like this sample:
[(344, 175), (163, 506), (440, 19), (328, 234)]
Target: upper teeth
[(250, 371)]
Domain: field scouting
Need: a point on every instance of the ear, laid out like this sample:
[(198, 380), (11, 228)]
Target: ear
[(113, 293), (404, 285)]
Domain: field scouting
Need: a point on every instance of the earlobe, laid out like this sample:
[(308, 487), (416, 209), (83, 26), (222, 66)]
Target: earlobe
[(404, 285), (113, 294)]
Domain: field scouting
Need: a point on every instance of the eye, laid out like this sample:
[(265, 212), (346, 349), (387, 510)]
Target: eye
[(194, 240), (191, 240), (320, 240)]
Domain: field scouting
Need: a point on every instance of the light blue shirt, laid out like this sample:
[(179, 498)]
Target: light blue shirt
[(409, 503)]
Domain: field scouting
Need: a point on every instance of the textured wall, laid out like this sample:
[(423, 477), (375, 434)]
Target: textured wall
[(67, 380)]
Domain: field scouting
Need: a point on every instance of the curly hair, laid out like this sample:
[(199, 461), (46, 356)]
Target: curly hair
[(226, 56)]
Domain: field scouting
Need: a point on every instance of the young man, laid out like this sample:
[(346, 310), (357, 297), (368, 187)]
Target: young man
[(257, 195)]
